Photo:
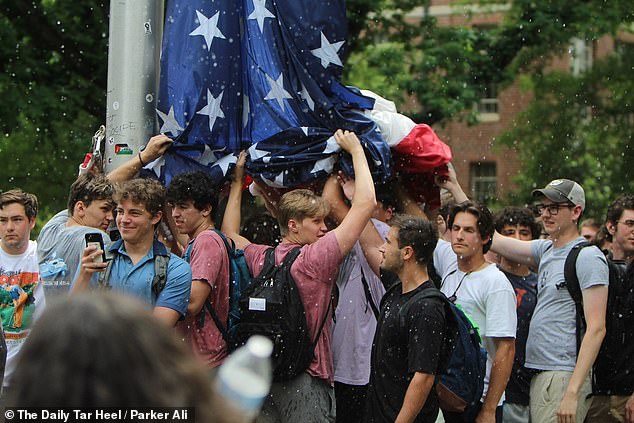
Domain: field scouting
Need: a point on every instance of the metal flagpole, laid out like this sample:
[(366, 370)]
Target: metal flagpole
[(136, 30)]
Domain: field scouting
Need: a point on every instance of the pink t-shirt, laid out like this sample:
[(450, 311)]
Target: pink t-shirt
[(209, 263), (315, 273)]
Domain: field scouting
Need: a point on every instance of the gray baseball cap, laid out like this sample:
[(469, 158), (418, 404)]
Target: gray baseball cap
[(563, 190)]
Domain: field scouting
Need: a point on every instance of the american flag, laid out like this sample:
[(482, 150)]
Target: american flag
[(261, 75)]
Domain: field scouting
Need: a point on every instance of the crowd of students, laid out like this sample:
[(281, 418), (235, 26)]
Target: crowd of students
[(370, 267)]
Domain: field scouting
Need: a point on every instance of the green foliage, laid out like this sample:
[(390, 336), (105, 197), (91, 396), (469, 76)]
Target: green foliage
[(52, 83), (580, 128)]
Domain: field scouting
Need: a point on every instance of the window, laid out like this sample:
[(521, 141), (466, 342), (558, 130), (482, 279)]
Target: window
[(483, 182), (581, 53), (487, 106)]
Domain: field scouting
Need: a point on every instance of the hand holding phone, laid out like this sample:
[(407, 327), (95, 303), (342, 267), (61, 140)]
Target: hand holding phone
[(95, 239)]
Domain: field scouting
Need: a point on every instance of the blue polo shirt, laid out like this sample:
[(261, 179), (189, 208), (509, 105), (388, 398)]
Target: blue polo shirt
[(136, 279)]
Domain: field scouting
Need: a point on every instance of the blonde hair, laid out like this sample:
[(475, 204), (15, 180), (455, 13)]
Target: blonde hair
[(298, 205)]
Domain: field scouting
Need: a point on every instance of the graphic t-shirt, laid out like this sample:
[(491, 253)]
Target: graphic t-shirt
[(59, 250), (21, 294)]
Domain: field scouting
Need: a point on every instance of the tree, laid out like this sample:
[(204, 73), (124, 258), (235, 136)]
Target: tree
[(53, 84), (581, 128)]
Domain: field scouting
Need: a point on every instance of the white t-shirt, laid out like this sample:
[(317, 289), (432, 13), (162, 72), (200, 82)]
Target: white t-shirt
[(486, 296), (22, 301)]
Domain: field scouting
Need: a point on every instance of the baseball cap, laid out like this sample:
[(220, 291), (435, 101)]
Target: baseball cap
[(563, 190)]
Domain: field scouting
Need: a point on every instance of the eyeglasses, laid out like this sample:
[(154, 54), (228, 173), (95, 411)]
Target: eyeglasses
[(553, 209), (628, 223)]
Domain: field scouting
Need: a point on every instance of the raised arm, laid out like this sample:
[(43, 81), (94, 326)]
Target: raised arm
[(335, 189), (155, 148), (513, 249), (363, 202), (451, 184), (231, 219)]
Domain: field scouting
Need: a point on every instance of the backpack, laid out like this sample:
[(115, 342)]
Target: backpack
[(271, 306), (239, 279), (161, 260), (460, 381), (574, 289)]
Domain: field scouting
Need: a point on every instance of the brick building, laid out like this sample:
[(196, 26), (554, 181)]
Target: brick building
[(486, 169)]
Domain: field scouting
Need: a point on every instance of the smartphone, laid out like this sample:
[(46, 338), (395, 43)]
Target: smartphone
[(96, 240)]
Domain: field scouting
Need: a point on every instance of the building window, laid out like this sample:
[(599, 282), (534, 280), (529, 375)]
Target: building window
[(488, 105), (581, 54), (483, 182)]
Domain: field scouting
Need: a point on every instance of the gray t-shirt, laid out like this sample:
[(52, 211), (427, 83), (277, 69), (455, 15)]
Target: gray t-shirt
[(552, 342), (59, 251)]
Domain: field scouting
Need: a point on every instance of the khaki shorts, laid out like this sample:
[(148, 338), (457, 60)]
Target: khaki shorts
[(547, 391)]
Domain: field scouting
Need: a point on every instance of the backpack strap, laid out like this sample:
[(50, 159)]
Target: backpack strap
[(368, 295), (574, 289), (231, 249), (161, 260)]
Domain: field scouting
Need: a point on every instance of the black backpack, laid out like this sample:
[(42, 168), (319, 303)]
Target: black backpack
[(462, 365), (271, 306), (574, 289)]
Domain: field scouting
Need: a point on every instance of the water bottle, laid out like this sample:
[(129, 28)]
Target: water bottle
[(244, 380)]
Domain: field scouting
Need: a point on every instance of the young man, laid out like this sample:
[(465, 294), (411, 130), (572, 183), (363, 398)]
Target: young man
[(519, 223), (405, 358), (613, 388), (139, 210), (359, 294), (485, 295), (309, 396), (560, 390), (61, 241), (24, 296), (193, 204), (90, 205)]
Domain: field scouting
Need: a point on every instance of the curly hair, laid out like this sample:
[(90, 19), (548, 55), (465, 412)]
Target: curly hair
[(618, 206), (28, 200), (102, 349), (148, 192), (196, 187), (517, 216)]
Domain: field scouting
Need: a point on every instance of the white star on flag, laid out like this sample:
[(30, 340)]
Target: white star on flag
[(277, 92), (170, 124), (328, 52), (260, 13), (307, 98), (331, 146), (326, 165), (225, 161), (208, 28), (156, 166), (255, 153), (212, 109), (208, 156), (246, 109), (277, 183)]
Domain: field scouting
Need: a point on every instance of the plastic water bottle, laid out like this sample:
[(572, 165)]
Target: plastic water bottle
[(244, 380)]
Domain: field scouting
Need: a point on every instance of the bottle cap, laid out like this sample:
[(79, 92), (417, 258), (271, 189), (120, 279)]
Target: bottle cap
[(260, 346)]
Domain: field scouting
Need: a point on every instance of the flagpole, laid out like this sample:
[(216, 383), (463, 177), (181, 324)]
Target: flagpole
[(136, 30)]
